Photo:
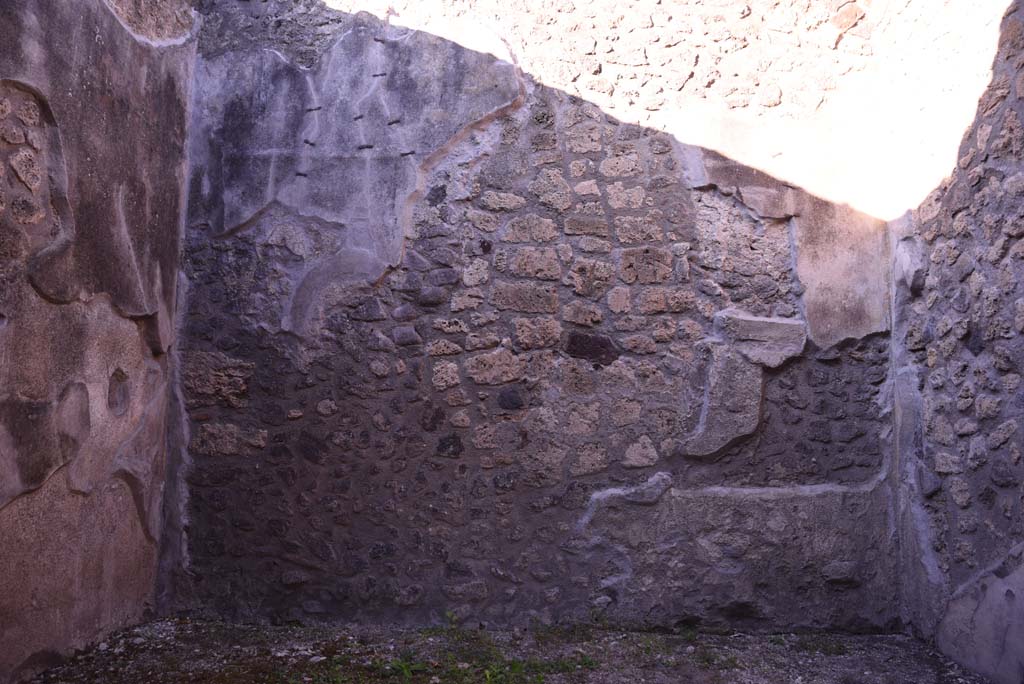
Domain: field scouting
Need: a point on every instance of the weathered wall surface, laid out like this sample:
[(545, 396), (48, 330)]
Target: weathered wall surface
[(460, 341), (457, 341), (822, 94), (92, 132), (960, 313)]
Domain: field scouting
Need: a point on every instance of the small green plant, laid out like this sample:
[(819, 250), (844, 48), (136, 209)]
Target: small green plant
[(405, 668), (654, 644), (688, 634)]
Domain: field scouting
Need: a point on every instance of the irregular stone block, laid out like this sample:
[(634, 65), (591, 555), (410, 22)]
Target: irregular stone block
[(598, 349), (619, 300), (983, 625), (590, 459), (525, 297), (405, 336), (443, 348), (445, 375), (582, 313), (495, 368), (646, 265), (214, 377), (732, 406), (587, 225), (537, 333), (530, 228), (501, 201), (617, 167), (216, 439), (766, 341), (552, 190), (510, 399), (640, 453), (536, 262), (634, 229), (621, 197), (477, 272), (589, 277)]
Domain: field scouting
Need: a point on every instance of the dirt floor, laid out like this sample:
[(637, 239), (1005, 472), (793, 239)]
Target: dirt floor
[(217, 653)]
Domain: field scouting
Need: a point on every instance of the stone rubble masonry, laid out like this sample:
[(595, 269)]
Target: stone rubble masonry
[(457, 343), (958, 304), (579, 358)]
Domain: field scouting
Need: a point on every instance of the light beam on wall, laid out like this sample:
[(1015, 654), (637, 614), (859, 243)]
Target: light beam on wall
[(861, 103)]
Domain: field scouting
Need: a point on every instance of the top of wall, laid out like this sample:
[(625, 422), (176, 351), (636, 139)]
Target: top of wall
[(828, 95)]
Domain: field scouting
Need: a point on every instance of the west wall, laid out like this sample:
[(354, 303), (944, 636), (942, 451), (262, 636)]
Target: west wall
[(92, 141), (460, 342)]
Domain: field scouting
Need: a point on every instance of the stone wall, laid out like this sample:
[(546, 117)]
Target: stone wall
[(960, 313), (462, 343), (92, 134), (824, 94), (474, 328)]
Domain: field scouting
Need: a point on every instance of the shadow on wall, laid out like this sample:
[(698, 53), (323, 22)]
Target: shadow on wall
[(457, 342), (960, 313), (460, 343)]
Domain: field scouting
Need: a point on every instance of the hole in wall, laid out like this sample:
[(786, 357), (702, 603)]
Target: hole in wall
[(118, 393)]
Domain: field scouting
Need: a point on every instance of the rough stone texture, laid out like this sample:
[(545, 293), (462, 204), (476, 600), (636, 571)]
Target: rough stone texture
[(778, 85), (842, 262), (92, 134), (460, 343), (335, 178), (166, 21), (640, 57), (842, 255), (732, 404), (765, 341), (958, 328), (534, 411), (742, 546), (172, 651), (982, 626)]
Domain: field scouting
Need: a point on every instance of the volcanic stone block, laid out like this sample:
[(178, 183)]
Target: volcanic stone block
[(766, 341), (732, 408), (599, 349)]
